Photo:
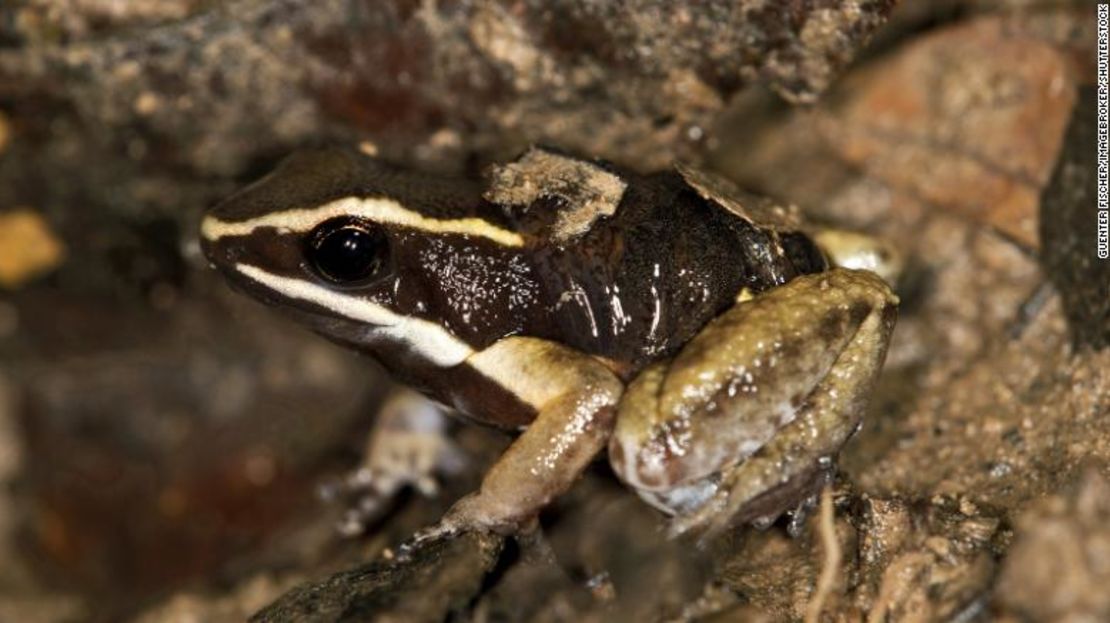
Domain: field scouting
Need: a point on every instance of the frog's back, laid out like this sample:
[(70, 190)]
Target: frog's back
[(611, 263), (634, 281)]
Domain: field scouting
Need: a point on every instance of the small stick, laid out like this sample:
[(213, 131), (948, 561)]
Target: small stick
[(833, 555)]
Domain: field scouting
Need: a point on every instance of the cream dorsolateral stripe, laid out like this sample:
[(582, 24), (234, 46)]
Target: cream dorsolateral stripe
[(509, 362), (433, 342), (374, 209)]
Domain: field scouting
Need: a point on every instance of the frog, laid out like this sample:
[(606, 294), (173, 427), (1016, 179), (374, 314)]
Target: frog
[(714, 345)]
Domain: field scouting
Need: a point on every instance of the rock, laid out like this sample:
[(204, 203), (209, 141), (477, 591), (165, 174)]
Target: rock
[(1059, 566), (1069, 251), (429, 583)]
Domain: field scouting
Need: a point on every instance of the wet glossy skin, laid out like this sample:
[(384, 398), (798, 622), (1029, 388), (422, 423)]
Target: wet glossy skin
[(701, 337)]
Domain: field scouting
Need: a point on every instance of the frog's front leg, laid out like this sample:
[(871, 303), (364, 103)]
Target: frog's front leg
[(575, 398), (409, 446), (742, 417)]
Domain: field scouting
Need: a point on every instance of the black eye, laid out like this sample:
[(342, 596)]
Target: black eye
[(344, 250)]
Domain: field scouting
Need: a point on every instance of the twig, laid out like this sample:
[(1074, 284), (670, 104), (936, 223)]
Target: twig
[(893, 584), (831, 565)]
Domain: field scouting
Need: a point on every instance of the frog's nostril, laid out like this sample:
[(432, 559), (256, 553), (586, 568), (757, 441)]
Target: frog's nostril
[(220, 253)]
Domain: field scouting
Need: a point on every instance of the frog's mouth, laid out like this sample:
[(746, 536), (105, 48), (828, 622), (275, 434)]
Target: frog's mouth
[(430, 340)]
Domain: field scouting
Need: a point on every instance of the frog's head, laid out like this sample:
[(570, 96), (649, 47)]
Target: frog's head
[(365, 254)]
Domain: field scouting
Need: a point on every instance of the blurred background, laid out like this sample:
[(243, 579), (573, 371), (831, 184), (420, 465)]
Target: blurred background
[(162, 439)]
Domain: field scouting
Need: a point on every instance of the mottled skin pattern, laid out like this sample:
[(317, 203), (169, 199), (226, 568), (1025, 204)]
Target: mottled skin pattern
[(727, 403)]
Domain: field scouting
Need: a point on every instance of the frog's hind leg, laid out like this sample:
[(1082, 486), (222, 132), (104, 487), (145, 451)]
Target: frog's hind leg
[(745, 418)]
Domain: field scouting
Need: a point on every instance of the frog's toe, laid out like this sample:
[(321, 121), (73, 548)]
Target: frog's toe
[(478, 512), (464, 516), (425, 536)]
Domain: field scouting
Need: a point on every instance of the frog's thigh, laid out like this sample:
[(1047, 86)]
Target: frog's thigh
[(758, 396), (575, 398)]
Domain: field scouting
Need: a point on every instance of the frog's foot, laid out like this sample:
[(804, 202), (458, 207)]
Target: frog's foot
[(469, 514), (446, 528), (475, 512), (739, 426), (809, 503), (574, 397), (409, 447), (796, 494)]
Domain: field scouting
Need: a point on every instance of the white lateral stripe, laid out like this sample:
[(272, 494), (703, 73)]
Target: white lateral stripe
[(505, 362), (429, 339), (374, 209)]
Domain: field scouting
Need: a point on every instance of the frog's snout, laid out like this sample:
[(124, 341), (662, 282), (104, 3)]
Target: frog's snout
[(222, 252)]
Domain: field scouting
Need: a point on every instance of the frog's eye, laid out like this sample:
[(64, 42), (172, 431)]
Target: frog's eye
[(344, 250)]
